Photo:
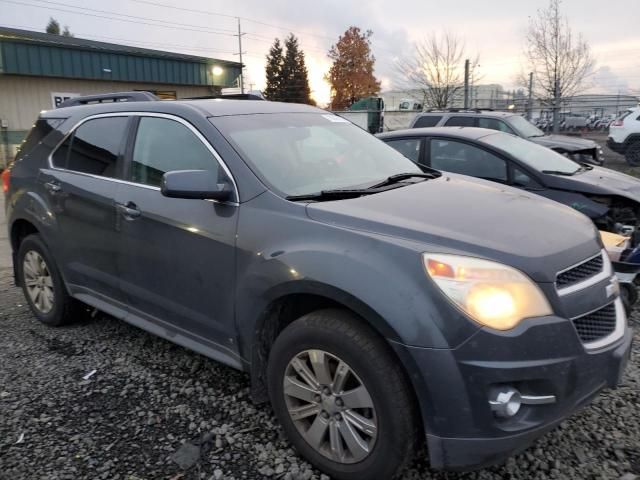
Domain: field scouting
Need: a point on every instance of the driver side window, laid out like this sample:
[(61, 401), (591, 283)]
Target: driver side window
[(163, 145), (466, 159)]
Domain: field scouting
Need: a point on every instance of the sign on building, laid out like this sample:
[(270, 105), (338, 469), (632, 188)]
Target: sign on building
[(57, 98)]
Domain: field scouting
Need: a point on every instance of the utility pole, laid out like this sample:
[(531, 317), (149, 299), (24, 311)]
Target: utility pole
[(556, 106), (529, 101), (241, 78), (466, 84)]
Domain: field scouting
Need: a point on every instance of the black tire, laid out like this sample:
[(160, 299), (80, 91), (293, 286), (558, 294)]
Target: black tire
[(343, 335), (632, 155), (64, 308)]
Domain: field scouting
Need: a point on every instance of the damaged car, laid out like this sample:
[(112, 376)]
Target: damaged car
[(576, 148), (611, 199)]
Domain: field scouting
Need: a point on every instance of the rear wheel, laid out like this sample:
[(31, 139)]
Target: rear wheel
[(42, 284), (341, 397), (632, 155)]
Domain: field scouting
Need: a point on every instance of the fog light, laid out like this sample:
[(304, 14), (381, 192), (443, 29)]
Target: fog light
[(505, 402)]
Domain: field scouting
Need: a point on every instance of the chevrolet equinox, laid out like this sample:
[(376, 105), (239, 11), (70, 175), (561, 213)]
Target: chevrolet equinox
[(374, 303)]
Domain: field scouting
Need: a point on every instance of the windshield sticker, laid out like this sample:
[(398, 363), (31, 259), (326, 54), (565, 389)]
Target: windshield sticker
[(335, 119)]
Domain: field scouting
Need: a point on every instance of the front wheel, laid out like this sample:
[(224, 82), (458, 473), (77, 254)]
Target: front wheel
[(341, 397)]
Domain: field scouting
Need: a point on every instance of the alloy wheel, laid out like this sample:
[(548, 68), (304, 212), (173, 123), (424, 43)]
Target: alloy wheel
[(38, 281), (330, 406)]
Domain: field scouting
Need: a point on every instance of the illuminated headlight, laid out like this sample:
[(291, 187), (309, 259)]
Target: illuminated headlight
[(491, 293)]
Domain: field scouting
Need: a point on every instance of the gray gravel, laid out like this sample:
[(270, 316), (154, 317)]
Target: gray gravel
[(155, 410)]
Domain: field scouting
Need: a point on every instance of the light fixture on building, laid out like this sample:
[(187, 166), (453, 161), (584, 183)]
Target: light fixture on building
[(216, 70)]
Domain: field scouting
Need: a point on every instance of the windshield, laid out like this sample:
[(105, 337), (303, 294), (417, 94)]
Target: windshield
[(536, 156), (526, 128), (304, 153)]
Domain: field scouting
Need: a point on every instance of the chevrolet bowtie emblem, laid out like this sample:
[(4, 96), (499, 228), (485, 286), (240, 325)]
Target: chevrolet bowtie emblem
[(613, 289)]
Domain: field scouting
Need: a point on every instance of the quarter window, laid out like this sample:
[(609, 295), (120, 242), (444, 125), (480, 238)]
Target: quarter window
[(522, 179), (164, 145), (95, 148), (409, 147), (458, 157), (461, 122), (427, 121), (494, 124)]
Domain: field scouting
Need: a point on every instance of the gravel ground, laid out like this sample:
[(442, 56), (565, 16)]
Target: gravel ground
[(148, 397)]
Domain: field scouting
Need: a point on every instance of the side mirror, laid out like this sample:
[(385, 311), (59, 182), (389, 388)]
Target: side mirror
[(195, 184)]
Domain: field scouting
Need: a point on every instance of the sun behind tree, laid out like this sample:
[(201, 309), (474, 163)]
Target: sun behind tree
[(351, 75)]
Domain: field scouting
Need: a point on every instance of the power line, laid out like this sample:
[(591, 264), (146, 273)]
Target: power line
[(177, 27)]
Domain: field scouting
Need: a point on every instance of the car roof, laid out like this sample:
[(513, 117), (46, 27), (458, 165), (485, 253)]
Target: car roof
[(214, 107), (468, 113), (469, 133)]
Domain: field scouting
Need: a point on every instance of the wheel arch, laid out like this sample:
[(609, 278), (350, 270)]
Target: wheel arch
[(286, 304)]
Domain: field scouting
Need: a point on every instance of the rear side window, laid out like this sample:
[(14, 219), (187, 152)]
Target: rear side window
[(427, 121), (164, 145), (494, 124), (461, 122), (95, 147), (42, 128), (409, 147), (458, 157)]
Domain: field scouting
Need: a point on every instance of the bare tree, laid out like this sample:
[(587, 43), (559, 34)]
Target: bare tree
[(435, 70), (560, 61)]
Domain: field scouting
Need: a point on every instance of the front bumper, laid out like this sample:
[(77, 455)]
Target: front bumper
[(544, 357)]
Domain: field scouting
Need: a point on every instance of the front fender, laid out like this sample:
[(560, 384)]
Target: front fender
[(282, 251)]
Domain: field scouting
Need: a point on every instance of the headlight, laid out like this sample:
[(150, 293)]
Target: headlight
[(491, 293)]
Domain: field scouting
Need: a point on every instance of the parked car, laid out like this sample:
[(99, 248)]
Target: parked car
[(576, 148), (374, 304), (624, 136), (611, 199)]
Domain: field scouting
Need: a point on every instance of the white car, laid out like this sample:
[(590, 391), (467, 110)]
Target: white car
[(624, 136)]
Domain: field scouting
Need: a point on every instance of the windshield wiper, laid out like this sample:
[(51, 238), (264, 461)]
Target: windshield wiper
[(388, 184), (330, 195), (558, 172), (399, 177)]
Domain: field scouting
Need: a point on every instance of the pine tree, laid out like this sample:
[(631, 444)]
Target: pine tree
[(351, 75), (66, 32), (294, 76), (273, 90), (53, 26)]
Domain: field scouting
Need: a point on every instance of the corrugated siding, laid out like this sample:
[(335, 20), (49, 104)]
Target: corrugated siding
[(22, 98), (47, 61)]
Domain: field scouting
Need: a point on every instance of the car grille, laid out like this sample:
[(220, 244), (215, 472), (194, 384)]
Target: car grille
[(580, 272), (596, 325)]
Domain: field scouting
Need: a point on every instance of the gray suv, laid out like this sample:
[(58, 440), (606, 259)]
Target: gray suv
[(578, 149), (375, 304)]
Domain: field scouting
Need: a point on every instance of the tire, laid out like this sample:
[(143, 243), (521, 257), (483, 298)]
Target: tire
[(340, 339), (632, 155), (37, 271)]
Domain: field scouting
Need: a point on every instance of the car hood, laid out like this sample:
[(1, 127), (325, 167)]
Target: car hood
[(598, 181), (458, 214), (570, 144)]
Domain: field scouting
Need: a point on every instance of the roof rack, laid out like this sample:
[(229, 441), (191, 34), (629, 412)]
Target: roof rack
[(231, 96), (459, 110), (110, 98)]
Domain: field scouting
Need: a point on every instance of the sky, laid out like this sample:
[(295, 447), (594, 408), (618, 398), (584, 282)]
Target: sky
[(491, 29)]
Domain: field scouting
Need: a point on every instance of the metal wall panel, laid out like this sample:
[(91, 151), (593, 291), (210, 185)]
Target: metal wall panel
[(22, 98), (61, 61)]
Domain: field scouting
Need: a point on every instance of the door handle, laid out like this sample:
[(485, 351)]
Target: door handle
[(128, 210), (53, 187)]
